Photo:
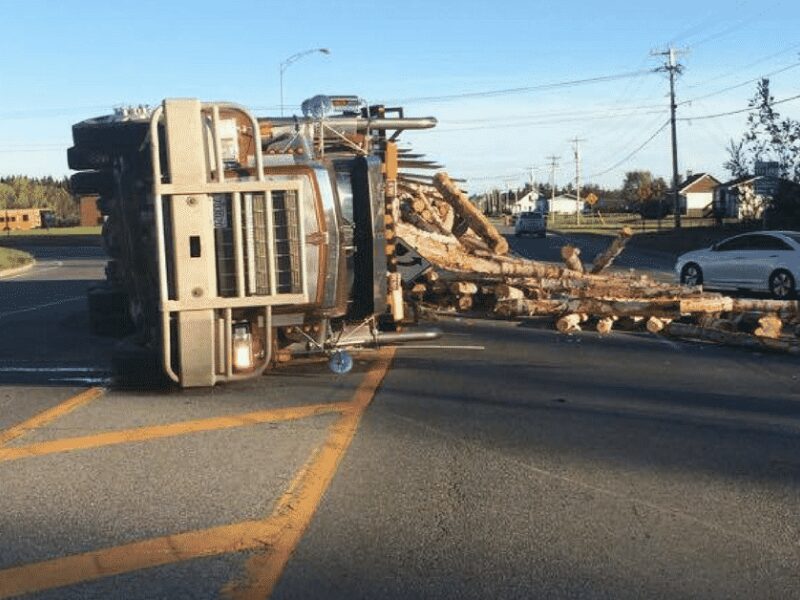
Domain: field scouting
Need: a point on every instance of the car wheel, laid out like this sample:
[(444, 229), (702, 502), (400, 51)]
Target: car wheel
[(691, 274), (781, 285)]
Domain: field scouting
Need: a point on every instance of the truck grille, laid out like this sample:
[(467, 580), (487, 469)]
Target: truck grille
[(259, 258)]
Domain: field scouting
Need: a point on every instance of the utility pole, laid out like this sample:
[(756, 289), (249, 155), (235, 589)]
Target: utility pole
[(576, 141), (553, 166), (673, 68), (534, 192)]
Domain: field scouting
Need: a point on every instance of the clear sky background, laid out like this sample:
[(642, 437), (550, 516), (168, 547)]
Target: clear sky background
[(64, 61)]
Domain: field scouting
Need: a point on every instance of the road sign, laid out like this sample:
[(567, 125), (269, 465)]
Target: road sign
[(410, 264), (591, 199)]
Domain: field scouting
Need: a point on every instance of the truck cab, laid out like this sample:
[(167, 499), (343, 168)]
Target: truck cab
[(233, 239)]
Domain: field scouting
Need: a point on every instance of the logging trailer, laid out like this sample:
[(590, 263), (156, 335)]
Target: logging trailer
[(237, 241)]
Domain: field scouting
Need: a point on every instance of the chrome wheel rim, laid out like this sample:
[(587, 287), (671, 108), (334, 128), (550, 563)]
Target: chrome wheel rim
[(781, 285), (690, 275)]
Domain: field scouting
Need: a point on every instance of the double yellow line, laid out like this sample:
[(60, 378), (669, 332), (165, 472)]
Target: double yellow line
[(274, 537)]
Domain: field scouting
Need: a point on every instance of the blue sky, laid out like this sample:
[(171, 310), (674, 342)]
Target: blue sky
[(63, 61)]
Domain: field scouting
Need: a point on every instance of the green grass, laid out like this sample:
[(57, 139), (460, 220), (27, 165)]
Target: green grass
[(612, 223), (53, 231), (10, 259)]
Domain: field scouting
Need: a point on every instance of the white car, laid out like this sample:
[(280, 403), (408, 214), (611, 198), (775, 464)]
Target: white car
[(764, 261)]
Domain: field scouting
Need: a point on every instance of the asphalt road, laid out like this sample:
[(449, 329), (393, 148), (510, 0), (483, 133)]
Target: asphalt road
[(542, 466), (658, 264)]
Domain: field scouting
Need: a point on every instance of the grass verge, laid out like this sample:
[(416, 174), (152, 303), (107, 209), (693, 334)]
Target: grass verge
[(52, 232), (11, 259)]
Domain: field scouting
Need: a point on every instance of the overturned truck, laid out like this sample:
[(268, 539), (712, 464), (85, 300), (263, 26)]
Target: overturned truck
[(235, 240)]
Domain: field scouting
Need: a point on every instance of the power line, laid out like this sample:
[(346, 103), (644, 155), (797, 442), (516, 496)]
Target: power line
[(632, 154), (741, 68), (735, 112), (502, 125), (742, 84), (520, 90)]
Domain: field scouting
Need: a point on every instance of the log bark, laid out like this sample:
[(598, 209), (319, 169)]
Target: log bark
[(447, 253), (446, 214), (569, 323), (781, 308), (505, 292), (571, 257), (769, 326), (605, 325), (463, 288), (468, 211), (656, 325), (604, 260), (464, 303), (413, 217), (419, 289)]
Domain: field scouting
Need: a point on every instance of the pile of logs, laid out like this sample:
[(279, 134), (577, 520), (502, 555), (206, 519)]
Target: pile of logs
[(474, 273)]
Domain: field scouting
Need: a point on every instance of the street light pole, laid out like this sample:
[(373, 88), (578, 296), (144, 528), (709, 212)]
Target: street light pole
[(294, 58)]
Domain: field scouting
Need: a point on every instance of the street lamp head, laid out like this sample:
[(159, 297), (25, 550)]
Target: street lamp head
[(325, 50)]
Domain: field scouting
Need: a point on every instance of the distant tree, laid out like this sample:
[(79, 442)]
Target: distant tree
[(738, 165), (768, 138), (7, 195), (783, 211), (641, 191), (20, 191)]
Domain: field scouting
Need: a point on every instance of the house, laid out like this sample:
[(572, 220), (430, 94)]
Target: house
[(90, 214), (746, 197), (563, 204), (696, 194), (527, 203), (21, 218)]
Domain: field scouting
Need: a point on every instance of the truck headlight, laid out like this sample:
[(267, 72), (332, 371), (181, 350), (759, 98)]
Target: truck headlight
[(242, 347)]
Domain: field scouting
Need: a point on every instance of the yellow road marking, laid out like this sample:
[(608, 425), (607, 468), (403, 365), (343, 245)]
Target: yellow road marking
[(155, 552), (281, 531), (299, 503), (142, 434), (49, 415)]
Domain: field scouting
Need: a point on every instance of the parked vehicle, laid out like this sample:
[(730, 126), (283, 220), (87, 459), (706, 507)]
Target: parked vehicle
[(531, 223), (766, 261)]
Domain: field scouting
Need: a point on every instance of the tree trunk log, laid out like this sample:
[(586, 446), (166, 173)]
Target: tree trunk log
[(605, 325), (569, 323), (769, 326), (780, 308), (463, 288), (571, 257), (468, 211), (603, 260)]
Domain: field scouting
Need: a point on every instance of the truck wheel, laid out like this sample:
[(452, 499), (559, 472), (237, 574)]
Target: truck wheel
[(82, 158), (105, 133), (92, 182)]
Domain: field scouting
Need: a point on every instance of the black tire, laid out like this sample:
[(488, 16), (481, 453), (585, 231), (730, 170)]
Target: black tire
[(782, 285), (138, 367), (92, 182), (82, 158), (691, 274), (104, 133)]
